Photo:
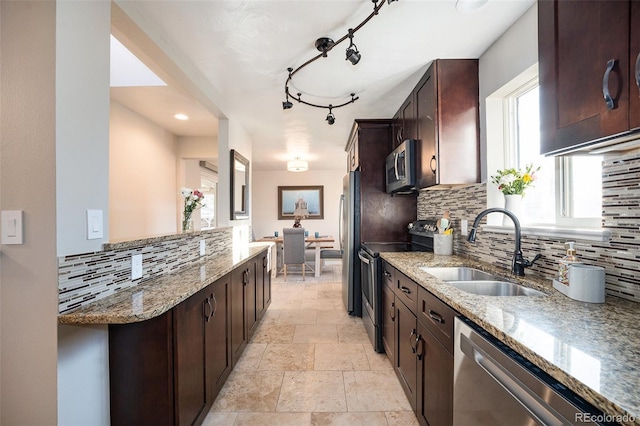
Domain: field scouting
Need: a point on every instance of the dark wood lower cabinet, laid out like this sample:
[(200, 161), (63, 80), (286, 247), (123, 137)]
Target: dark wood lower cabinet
[(388, 322), (168, 370), (406, 366), (423, 362), (435, 381)]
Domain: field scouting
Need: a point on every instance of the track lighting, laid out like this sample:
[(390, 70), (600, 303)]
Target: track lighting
[(353, 55), (330, 117), (324, 45)]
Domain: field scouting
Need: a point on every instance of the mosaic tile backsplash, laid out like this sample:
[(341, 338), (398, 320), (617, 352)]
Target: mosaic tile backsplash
[(620, 256), (85, 278)]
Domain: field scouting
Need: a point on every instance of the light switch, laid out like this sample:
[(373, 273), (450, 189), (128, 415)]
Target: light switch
[(136, 266), (203, 248), (94, 224), (464, 227), (12, 227)]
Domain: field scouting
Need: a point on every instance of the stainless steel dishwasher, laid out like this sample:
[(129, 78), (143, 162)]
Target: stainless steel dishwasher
[(494, 385)]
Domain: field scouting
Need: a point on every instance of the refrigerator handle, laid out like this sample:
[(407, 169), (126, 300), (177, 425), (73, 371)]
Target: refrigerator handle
[(340, 212)]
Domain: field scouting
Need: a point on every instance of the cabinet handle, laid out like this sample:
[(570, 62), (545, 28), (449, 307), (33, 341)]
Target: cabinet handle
[(419, 353), (436, 316), (405, 290), (392, 311), (215, 305), (433, 164), (611, 103), (206, 314), (413, 333), (387, 274), (399, 135), (638, 71), (264, 262)]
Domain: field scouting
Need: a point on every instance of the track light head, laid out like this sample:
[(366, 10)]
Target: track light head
[(287, 104), (330, 117), (353, 55)]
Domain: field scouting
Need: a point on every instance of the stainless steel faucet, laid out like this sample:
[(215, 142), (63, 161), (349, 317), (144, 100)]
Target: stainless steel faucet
[(518, 263)]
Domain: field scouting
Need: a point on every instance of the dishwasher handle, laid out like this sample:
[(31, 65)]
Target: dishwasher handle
[(510, 383)]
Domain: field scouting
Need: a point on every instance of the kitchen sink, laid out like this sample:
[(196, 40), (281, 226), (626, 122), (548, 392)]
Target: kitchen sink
[(479, 282), (458, 273), (495, 288)]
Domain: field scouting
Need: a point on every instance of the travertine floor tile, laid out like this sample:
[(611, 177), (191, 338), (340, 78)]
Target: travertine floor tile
[(315, 334), (374, 391), (273, 419), (298, 317), (349, 419), (288, 357), (251, 356), (340, 356), (376, 361), (250, 391), (401, 418), (217, 418), (321, 304), (270, 333), (309, 391), (352, 333), (339, 316)]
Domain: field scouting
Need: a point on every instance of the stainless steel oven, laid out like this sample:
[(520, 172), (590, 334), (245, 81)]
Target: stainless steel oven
[(494, 385), (421, 236)]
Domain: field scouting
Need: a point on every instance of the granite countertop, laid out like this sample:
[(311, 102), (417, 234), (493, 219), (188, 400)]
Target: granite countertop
[(154, 297), (593, 349)]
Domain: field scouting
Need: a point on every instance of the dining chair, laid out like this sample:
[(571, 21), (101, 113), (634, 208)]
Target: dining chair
[(293, 250)]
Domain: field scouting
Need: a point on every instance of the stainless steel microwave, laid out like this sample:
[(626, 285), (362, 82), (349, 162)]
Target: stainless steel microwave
[(400, 169)]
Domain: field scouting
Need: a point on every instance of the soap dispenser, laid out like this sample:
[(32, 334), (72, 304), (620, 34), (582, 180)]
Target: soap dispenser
[(569, 259)]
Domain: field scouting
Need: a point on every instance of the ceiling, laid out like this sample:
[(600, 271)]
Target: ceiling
[(236, 54)]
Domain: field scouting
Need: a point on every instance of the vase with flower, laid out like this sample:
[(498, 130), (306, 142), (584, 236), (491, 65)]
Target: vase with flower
[(512, 183), (193, 199)]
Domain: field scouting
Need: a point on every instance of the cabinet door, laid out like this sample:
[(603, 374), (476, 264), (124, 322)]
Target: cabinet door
[(435, 381), (408, 119), (388, 322), (251, 309), (426, 160), (218, 339), (576, 41), (238, 329), (634, 63), (266, 285), (190, 354), (405, 346)]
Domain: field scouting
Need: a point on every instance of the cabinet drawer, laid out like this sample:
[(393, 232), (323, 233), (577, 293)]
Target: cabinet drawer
[(388, 274), (406, 290), (437, 316)]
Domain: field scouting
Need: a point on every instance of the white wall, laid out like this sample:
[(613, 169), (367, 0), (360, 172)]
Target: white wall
[(142, 177), (28, 272), (265, 200), (515, 51), (82, 123)]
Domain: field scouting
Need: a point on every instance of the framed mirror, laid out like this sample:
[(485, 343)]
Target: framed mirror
[(239, 168)]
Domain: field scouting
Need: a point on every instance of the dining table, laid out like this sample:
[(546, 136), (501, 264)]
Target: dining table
[(317, 243)]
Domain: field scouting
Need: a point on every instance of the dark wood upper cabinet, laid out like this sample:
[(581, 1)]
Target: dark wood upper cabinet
[(442, 113), (587, 65)]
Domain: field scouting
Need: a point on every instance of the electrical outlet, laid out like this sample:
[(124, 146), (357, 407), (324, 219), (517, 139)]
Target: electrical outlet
[(203, 248), (136, 266), (464, 227)]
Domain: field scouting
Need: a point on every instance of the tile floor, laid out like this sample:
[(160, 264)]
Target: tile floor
[(310, 363)]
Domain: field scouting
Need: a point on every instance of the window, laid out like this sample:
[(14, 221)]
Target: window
[(568, 190)]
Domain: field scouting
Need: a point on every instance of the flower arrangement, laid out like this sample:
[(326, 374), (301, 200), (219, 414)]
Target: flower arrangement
[(514, 182), (193, 199)]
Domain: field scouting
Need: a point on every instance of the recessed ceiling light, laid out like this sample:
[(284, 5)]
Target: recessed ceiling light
[(180, 117), (469, 5)]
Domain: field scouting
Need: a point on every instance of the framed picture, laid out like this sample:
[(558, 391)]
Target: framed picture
[(312, 195)]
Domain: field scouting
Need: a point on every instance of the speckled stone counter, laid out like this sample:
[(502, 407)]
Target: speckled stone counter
[(154, 297), (594, 349)]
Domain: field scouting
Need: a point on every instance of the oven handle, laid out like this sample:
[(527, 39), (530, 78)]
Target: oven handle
[(364, 259), (509, 382)]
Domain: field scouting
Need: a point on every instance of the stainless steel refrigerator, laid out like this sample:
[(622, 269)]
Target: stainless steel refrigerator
[(350, 216)]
